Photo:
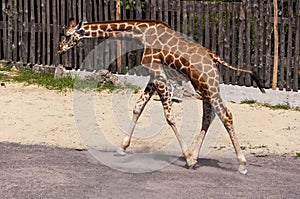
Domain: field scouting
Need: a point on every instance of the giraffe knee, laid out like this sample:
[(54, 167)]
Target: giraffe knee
[(170, 119), (228, 117)]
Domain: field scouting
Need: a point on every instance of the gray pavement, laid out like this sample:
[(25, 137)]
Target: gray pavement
[(49, 172)]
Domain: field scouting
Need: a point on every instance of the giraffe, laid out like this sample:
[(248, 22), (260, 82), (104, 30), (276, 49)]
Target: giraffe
[(164, 46)]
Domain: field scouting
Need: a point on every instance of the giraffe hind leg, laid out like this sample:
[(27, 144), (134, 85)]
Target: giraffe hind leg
[(208, 116), (226, 117)]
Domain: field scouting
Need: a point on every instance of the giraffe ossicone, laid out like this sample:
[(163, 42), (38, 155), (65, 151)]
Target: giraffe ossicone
[(165, 47)]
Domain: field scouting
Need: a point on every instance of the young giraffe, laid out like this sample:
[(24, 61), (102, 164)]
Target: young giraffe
[(163, 46)]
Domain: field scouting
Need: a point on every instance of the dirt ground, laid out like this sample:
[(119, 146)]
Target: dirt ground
[(43, 133), (36, 115)]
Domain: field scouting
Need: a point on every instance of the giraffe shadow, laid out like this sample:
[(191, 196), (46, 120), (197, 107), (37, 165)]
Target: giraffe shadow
[(207, 162)]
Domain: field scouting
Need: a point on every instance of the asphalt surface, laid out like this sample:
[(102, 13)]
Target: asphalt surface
[(49, 172)]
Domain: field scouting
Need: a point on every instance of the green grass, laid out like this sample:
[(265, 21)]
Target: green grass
[(6, 69), (278, 106), (297, 155), (273, 107), (27, 76), (248, 101)]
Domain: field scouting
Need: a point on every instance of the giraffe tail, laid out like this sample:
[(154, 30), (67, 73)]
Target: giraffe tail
[(255, 77), (253, 74)]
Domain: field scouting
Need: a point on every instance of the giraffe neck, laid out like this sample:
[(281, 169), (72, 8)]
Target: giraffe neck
[(119, 28)]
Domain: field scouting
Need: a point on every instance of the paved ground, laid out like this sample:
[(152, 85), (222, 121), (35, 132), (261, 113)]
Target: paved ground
[(48, 172)]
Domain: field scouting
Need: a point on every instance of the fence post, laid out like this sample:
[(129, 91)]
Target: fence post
[(119, 47), (275, 67)]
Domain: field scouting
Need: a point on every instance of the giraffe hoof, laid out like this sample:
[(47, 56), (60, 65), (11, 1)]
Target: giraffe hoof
[(242, 169), (120, 152), (190, 164)]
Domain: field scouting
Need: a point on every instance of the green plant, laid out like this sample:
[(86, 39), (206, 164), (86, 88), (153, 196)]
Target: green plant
[(285, 106), (297, 155), (248, 101), (277, 106)]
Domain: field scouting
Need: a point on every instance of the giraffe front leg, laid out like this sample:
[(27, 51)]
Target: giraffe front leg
[(137, 111), (165, 97)]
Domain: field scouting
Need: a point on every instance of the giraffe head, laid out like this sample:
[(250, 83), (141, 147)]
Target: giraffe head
[(73, 34)]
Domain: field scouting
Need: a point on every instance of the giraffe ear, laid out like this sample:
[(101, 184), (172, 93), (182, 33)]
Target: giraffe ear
[(72, 23)]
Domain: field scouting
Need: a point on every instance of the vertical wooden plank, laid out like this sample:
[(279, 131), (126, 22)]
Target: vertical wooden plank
[(207, 26), (4, 16), (9, 31), (282, 63), (241, 42), (100, 10), (119, 46), (80, 18), (194, 21), (26, 30), (55, 31), (32, 50), (221, 37), (133, 54), (48, 31), (72, 51), (38, 32), (106, 50), (112, 10), (166, 10), (190, 32), (20, 30), (248, 44), (227, 48), (275, 60), (139, 52), (94, 42), (74, 15), (178, 13), (125, 57), (261, 33), (255, 37), (148, 9), (184, 17), (268, 43), (221, 30), (200, 22), (289, 46), (213, 29), (172, 10), (160, 4), (44, 47), (113, 44), (234, 8), (15, 32), (1, 31), (297, 49), (138, 9), (153, 9), (124, 9)]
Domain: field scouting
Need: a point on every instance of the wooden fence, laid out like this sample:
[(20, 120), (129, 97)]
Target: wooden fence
[(240, 32)]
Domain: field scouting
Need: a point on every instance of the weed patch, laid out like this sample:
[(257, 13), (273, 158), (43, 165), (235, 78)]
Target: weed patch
[(68, 82)]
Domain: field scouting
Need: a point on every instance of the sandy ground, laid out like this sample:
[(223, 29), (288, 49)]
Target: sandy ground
[(35, 115)]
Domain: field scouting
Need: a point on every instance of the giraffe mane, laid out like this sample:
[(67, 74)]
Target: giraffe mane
[(156, 22)]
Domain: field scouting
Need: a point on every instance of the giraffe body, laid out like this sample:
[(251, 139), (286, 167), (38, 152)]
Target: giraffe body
[(163, 46)]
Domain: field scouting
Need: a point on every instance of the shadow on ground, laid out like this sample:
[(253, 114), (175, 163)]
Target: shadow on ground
[(48, 172)]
